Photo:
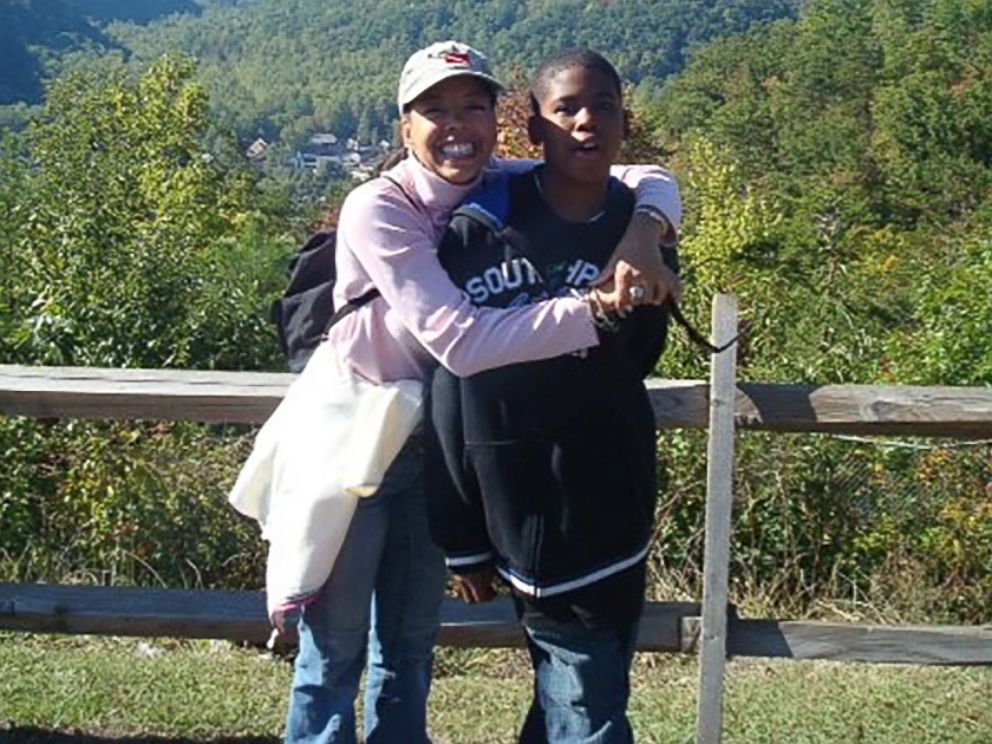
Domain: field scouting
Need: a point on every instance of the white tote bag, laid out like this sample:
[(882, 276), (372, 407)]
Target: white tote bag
[(328, 443)]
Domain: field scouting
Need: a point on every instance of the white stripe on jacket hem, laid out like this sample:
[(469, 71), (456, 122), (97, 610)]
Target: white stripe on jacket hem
[(531, 589), (468, 560)]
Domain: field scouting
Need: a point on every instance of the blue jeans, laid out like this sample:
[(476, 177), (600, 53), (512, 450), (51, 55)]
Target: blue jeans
[(581, 684), (385, 593)]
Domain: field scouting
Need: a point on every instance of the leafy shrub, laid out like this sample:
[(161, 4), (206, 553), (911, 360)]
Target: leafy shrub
[(895, 531), (130, 241), (124, 503)]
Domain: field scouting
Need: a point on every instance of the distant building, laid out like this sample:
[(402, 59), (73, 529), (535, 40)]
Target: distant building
[(306, 160), (324, 139), (256, 151), (325, 151)]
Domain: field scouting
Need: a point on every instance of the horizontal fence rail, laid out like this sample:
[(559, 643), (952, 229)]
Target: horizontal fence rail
[(665, 626), (240, 616), (876, 644), (249, 397)]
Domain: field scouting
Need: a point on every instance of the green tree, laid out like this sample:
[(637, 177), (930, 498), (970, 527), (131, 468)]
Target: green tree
[(948, 344), (136, 244)]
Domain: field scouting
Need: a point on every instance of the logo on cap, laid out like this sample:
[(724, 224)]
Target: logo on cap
[(457, 59)]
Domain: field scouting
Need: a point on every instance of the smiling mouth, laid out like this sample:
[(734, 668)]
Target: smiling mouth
[(458, 151), (588, 148)]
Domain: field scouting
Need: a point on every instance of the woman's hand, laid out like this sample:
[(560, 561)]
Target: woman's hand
[(639, 275), (476, 586)]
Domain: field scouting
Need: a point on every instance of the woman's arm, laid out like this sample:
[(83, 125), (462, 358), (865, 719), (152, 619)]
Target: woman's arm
[(655, 188), (636, 261), (394, 245)]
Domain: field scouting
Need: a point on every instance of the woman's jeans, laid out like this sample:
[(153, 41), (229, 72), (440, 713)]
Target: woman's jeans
[(384, 592)]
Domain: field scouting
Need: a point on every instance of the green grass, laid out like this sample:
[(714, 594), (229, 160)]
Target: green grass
[(66, 690)]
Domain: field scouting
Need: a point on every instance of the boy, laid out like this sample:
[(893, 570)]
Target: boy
[(546, 470)]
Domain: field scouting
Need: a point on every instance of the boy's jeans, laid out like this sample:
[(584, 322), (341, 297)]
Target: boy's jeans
[(385, 590), (581, 684)]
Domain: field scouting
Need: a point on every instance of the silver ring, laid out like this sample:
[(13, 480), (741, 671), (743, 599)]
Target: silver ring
[(636, 293)]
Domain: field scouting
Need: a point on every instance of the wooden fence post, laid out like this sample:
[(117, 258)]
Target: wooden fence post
[(719, 497)]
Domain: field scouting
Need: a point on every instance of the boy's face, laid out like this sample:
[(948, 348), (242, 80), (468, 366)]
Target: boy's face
[(581, 123), (451, 128)]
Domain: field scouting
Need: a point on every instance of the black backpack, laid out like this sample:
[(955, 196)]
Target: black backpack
[(306, 310)]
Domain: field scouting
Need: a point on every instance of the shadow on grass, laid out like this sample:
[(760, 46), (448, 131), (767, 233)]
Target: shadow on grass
[(35, 735)]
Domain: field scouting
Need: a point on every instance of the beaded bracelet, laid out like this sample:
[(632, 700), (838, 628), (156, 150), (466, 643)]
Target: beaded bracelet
[(603, 319)]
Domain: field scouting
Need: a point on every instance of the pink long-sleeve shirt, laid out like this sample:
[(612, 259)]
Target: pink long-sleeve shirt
[(388, 238)]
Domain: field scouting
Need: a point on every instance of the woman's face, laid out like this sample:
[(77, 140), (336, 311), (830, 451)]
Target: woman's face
[(451, 128)]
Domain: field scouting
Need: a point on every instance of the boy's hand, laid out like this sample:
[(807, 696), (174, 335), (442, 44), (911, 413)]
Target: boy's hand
[(284, 632), (476, 586), (638, 272)]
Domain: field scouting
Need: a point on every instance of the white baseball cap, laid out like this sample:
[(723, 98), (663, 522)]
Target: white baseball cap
[(430, 65)]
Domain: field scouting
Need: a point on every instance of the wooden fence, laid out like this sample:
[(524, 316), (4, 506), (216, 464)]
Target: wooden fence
[(711, 629)]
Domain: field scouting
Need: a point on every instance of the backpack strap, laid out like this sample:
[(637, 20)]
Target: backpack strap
[(489, 205), (351, 306)]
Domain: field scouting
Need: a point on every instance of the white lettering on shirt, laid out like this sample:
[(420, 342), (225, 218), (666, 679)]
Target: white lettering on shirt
[(582, 273), (508, 276)]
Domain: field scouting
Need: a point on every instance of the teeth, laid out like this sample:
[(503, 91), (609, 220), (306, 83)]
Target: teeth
[(461, 150)]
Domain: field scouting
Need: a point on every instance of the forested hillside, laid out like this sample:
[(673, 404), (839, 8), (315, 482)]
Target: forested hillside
[(288, 68), (844, 163), (35, 35)]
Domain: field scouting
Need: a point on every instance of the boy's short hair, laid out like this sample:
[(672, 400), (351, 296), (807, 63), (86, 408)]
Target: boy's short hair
[(564, 60)]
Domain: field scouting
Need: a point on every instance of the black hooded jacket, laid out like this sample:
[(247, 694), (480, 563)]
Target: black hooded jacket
[(545, 468)]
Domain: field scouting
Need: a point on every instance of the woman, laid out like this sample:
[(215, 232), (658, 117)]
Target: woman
[(386, 586)]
